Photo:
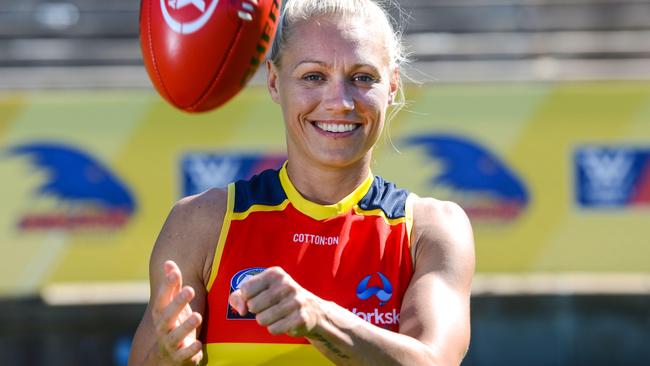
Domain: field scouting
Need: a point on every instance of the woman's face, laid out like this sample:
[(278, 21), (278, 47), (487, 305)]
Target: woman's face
[(334, 84)]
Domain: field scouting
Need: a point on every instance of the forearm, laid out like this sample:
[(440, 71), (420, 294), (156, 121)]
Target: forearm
[(348, 340)]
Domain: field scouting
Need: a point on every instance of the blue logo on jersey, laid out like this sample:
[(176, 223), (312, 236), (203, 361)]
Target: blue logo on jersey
[(486, 186), (242, 276), (383, 292), (79, 180), (201, 171), (235, 283)]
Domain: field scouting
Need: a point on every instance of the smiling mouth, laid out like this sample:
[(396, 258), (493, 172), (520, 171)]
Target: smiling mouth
[(336, 127)]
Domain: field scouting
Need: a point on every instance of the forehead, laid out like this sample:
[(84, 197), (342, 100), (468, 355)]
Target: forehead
[(332, 39)]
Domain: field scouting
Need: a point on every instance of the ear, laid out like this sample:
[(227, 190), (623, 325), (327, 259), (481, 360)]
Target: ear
[(394, 85), (272, 81)]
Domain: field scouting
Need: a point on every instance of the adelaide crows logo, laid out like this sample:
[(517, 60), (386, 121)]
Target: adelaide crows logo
[(482, 183), (90, 195), (383, 292)]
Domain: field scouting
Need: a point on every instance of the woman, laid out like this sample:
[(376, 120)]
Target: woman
[(320, 261)]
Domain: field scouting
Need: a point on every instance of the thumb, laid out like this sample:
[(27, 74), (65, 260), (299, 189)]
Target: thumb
[(237, 301), (174, 277)]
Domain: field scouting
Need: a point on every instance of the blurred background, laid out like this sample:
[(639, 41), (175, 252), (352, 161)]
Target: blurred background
[(534, 115)]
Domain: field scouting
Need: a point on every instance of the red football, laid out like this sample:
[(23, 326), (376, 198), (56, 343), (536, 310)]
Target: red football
[(200, 53)]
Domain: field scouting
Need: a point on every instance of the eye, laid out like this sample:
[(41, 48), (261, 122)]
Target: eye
[(364, 78), (313, 77)]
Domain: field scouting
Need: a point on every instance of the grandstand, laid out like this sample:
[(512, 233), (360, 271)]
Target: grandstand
[(92, 43)]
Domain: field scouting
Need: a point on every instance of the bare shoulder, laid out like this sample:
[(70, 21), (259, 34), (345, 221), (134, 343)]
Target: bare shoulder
[(190, 233), (443, 237)]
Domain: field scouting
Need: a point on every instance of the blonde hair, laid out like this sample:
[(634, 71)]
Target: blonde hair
[(297, 11)]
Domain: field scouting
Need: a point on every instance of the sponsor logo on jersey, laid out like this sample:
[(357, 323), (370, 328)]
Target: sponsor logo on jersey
[(481, 182), (378, 318), (376, 286), (235, 283), (612, 177), (301, 238), (383, 292), (201, 170), (88, 193), (187, 16)]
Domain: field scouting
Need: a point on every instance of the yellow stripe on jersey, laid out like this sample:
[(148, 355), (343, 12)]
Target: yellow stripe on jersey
[(259, 208), (379, 212), (409, 215), (322, 212), (225, 227), (266, 354)]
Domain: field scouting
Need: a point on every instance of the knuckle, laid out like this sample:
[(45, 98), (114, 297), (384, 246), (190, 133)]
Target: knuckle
[(262, 319), (302, 316), (275, 329), (298, 301), (252, 306)]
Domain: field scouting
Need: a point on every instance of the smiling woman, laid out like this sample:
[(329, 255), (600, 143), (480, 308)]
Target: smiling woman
[(320, 261)]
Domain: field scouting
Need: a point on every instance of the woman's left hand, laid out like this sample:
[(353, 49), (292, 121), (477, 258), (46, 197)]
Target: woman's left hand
[(279, 302)]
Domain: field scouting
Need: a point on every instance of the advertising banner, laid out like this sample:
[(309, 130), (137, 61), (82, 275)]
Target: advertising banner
[(555, 177)]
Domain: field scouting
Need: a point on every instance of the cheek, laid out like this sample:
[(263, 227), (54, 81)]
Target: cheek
[(298, 102), (374, 100)]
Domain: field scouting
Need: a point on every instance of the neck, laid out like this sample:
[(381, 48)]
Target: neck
[(325, 184)]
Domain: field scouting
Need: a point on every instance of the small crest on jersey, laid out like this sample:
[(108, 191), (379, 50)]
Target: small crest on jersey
[(235, 283)]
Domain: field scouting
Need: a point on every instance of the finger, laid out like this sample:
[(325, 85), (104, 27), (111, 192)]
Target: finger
[(174, 274), (236, 300), (257, 284), (277, 312), (190, 352), (176, 336), (270, 297), (170, 315), (165, 295), (168, 288), (293, 325)]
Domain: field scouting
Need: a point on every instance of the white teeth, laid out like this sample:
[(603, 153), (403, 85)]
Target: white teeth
[(335, 127)]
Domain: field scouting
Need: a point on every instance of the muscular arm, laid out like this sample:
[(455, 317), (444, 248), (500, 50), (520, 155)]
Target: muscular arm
[(178, 290), (434, 320)]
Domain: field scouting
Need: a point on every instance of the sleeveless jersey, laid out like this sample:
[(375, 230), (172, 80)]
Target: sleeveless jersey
[(355, 253)]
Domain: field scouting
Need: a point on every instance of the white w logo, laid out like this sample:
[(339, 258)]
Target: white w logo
[(607, 169)]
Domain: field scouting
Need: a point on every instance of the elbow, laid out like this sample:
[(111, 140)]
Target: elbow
[(432, 356)]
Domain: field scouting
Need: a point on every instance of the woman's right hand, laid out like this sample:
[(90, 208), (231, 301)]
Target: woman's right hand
[(174, 321)]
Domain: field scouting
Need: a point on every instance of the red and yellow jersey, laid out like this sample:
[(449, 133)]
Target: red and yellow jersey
[(355, 253)]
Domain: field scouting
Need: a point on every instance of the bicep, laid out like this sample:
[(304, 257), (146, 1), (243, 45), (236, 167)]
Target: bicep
[(435, 309)]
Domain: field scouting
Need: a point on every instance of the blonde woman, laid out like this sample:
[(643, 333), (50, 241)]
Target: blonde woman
[(319, 262)]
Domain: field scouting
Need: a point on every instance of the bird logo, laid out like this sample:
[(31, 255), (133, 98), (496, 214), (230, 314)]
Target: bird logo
[(79, 180), (483, 184)]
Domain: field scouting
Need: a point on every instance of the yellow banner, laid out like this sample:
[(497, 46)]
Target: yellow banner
[(556, 177)]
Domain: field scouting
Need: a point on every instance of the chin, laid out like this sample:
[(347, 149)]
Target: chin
[(339, 159)]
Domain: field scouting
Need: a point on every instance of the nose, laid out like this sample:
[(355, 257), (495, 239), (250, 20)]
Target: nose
[(338, 96)]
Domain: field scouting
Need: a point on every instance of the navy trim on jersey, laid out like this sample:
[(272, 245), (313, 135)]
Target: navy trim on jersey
[(387, 197), (262, 189)]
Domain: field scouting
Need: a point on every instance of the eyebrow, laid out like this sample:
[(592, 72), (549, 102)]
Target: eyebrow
[(325, 64)]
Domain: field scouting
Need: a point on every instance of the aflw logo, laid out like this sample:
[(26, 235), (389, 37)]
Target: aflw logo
[(606, 176)]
